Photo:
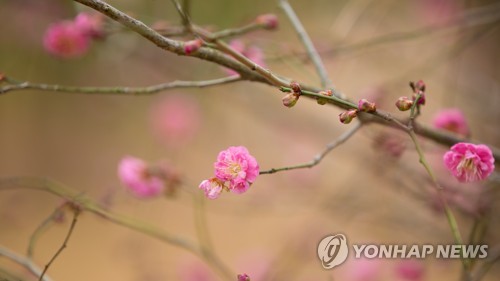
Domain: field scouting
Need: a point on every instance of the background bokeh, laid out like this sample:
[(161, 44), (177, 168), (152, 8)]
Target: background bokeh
[(370, 48)]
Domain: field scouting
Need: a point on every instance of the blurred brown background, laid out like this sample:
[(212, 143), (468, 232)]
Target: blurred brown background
[(370, 48)]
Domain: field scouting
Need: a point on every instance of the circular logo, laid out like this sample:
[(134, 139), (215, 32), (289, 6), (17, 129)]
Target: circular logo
[(333, 250)]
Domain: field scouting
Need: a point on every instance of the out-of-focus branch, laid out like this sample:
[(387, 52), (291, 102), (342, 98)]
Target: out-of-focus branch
[(326, 82), (14, 85), (317, 159), (87, 204), (24, 262), (167, 44)]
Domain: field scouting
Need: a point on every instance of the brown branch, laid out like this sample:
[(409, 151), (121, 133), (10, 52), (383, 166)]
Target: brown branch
[(14, 85), (24, 262), (76, 212), (170, 45), (317, 159)]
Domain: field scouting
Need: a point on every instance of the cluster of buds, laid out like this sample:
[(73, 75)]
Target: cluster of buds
[(268, 21), (363, 106), (405, 103), (192, 46), (290, 99), (327, 93)]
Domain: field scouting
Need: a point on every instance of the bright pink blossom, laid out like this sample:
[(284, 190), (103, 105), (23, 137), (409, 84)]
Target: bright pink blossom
[(65, 40), (212, 187), (238, 167), (235, 170), (469, 162), (136, 176), (452, 120)]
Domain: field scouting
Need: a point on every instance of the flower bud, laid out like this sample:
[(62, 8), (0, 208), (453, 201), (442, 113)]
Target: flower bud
[(192, 46), (324, 93), (366, 106), (418, 87), (296, 87), (347, 116), (404, 103), (290, 99), (268, 21), (421, 100)]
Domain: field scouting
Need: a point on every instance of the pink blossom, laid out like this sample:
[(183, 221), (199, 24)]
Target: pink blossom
[(90, 25), (212, 187), (136, 176), (238, 167), (469, 162), (452, 120), (65, 40), (411, 270), (176, 119)]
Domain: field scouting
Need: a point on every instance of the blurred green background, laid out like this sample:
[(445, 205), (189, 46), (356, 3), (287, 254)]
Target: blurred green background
[(370, 48)]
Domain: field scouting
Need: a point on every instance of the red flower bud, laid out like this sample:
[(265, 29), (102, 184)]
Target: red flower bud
[(268, 21), (347, 116), (404, 103), (290, 99), (366, 106), (192, 46)]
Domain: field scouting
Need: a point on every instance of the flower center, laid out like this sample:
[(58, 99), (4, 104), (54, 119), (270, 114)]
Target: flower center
[(234, 169), (468, 167)]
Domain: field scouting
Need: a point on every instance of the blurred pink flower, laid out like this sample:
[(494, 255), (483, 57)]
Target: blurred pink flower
[(253, 53), (194, 270), (362, 269), (411, 270), (469, 162), (389, 144), (212, 187), (176, 119), (237, 166), (65, 40), (452, 120), (91, 25), (134, 174), (437, 12)]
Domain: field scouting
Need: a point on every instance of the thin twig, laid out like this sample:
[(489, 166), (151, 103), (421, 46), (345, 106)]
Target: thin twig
[(76, 212), (317, 159), (24, 262), (15, 85), (87, 204), (41, 228), (326, 82)]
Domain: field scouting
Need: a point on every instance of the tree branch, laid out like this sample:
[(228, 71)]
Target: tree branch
[(317, 159), (15, 85), (24, 262)]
